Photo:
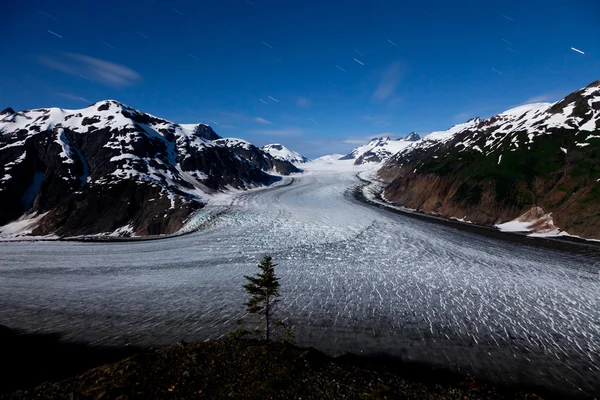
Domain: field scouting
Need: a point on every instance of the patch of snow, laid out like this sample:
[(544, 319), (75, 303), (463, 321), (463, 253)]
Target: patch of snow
[(526, 109), (63, 141), (534, 220), (442, 136), (233, 142), (21, 227), (589, 125), (126, 230)]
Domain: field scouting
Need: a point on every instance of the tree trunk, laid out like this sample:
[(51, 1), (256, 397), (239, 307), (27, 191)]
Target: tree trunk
[(267, 317)]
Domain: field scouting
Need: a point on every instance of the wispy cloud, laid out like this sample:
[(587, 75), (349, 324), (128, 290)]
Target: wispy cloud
[(390, 79), (74, 97), (353, 141), (108, 45), (49, 15), (277, 132), (303, 102), (55, 34), (461, 117), (262, 121), (539, 99), (577, 50), (94, 69), (379, 120)]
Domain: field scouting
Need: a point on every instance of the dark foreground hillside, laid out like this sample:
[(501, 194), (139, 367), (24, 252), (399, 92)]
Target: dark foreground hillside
[(243, 369)]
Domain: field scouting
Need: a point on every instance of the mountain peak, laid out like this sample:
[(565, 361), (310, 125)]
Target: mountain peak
[(584, 103), (206, 132), (275, 146), (7, 111), (380, 139), (104, 105), (412, 137), (594, 84)]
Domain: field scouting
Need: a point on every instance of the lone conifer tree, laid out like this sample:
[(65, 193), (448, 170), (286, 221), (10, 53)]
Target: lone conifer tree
[(263, 290)]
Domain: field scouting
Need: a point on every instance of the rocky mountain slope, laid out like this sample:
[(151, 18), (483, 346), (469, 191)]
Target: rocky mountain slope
[(380, 149), (537, 164), (280, 152), (109, 168)]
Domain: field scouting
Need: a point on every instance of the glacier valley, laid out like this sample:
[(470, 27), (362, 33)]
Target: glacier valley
[(354, 278)]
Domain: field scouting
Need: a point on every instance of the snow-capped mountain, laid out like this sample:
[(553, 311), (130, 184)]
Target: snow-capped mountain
[(281, 152), (380, 149), (261, 158), (495, 170), (109, 167)]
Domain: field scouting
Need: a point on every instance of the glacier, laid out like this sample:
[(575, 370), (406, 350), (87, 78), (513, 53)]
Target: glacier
[(354, 278)]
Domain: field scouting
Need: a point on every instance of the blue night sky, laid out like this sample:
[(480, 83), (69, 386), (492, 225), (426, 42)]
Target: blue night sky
[(317, 76)]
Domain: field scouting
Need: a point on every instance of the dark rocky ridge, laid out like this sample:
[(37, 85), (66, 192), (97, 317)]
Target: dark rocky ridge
[(495, 170), (412, 137), (7, 111), (110, 167)]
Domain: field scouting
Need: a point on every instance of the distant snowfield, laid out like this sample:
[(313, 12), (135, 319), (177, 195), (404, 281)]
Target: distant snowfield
[(353, 278)]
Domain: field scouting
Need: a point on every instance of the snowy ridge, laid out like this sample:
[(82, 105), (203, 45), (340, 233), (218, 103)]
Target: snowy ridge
[(442, 136), (129, 128), (281, 152), (380, 149), (579, 111), (234, 142)]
